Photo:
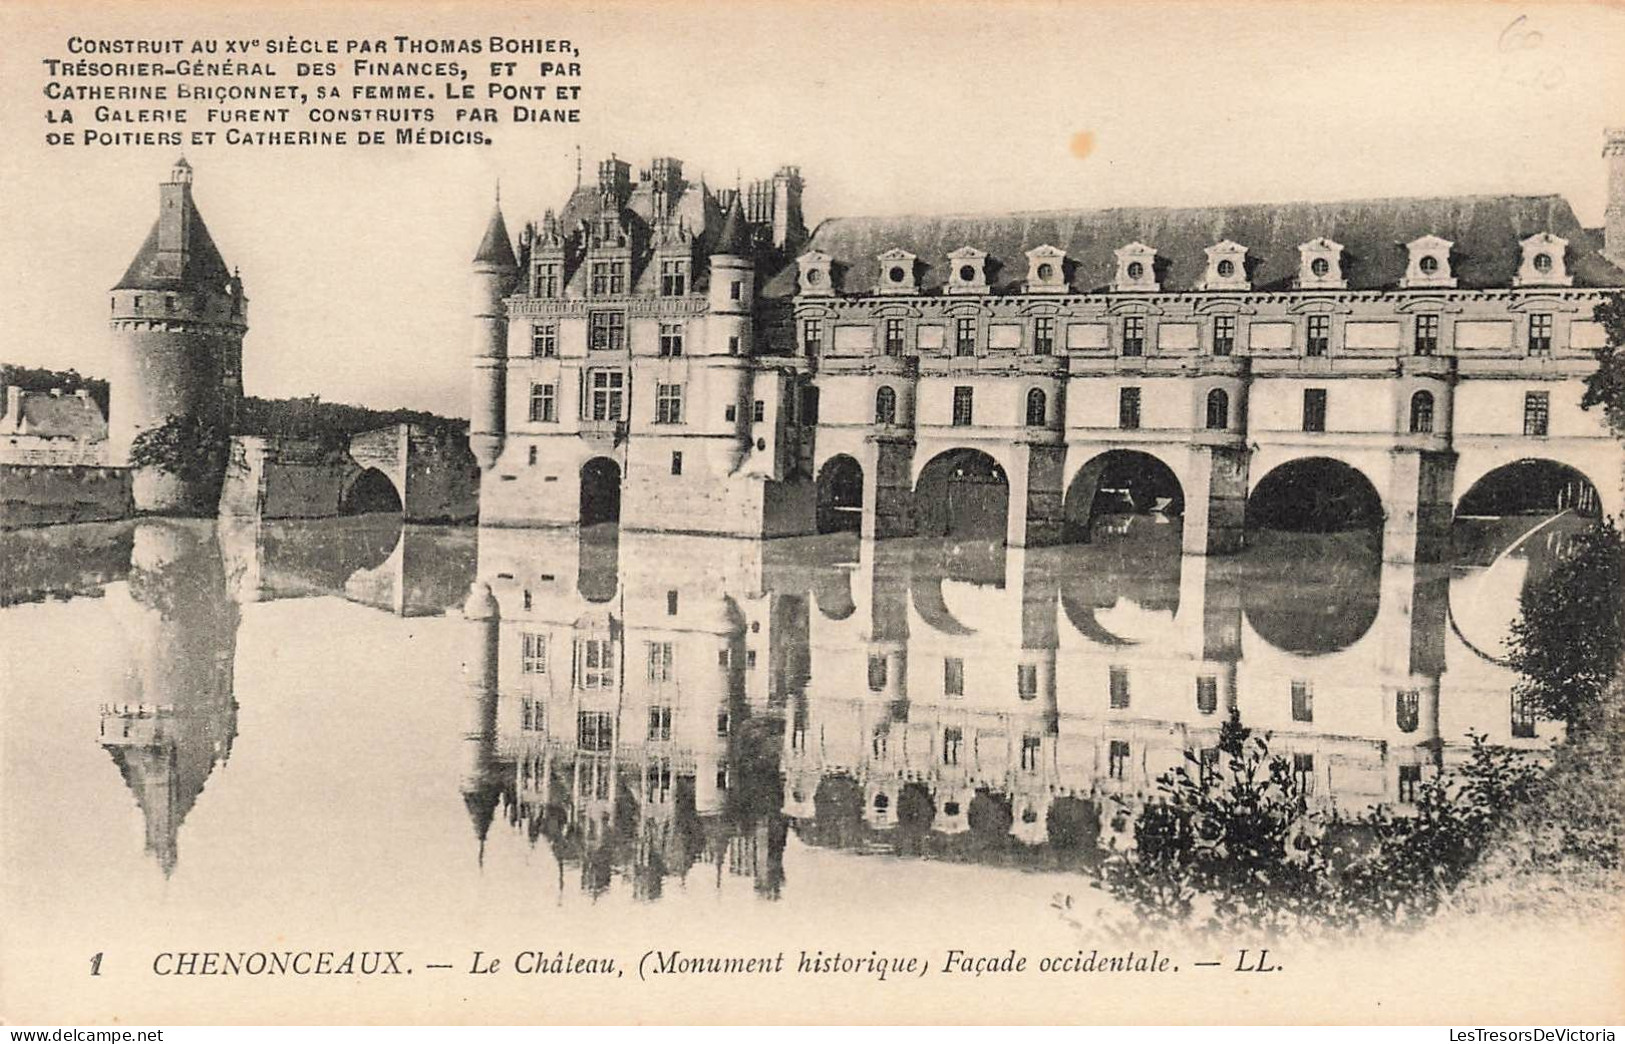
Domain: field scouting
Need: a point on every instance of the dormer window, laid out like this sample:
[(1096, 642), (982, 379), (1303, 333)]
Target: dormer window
[(1136, 268), (1320, 265), (1226, 267), (897, 273), (967, 271), (673, 277), (1429, 264), (814, 274), (1046, 270), (1544, 262), (546, 282), (608, 278)]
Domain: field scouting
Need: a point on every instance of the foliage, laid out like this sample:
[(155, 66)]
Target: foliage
[(1606, 387), (192, 448), (42, 380), (1234, 843), (331, 422), (1568, 641)]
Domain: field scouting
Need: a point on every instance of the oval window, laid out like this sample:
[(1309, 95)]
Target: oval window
[(814, 277), (1135, 270), (1227, 269), (1429, 264), (1046, 271), (1543, 262), (896, 273), (1320, 266), (967, 273)]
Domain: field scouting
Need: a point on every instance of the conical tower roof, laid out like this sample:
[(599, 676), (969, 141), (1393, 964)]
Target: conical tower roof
[(734, 239), (496, 248), (198, 264)]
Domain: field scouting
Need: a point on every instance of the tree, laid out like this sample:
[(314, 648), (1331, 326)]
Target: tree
[(1606, 387), (192, 448), (1568, 641)]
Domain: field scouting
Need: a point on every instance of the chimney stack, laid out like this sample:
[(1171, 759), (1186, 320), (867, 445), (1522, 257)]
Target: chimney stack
[(14, 407), (1614, 217)]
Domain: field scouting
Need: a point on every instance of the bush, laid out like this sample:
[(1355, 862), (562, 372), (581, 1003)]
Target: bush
[(1606, 387), (192, 448)]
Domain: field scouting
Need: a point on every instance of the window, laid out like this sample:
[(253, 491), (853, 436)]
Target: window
[(963, 406), (673, 278), (723, 723), (877, 673), (1224, 334), (608, 278), (1523, 717), (952, 737), (531, 455), (544, 405), (1134, 333), (1429, 264), (1537, 411), (1320, 334), (965, 336), (885, 406), (1314, 409), (544, 340), (812, 336), (1044, 335), (736, 290), (1119, 688), (1218, 410), (1208, 765), (1303, 767), (595, 663), (730, 414), (660, 658), (733, 344), (677, 463), (1027, 681), (1135, 269), (1030, 747), (1320, 266), (608, 395), (671, 340), (1207, 694), (1037, 408), (894, 336), (606, 331), (953, 676), (1540, 333), (532, 653), (758, 411), (1427, 334), (546, 283), (1407, 709), (1303, 701), (595, 731), (1410, 778), (1128, 408), (1421, 413), (533, 716), (668, 404), (1117, 758), (671, 603)]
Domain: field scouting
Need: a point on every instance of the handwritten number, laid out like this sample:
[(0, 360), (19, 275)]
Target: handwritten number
[(96, 964)]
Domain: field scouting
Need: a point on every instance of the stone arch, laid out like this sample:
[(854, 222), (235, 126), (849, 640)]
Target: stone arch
[(370, 491), (1314, 495), (1423, 411), (840, 495), (1530, 486), (600, 491), (1217, 414), (1120, 482), (962, 492)]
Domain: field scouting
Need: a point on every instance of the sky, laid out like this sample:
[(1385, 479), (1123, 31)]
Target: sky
[(356, 263)]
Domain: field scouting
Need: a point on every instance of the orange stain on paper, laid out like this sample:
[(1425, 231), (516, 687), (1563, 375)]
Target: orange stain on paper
[(1082, 144)]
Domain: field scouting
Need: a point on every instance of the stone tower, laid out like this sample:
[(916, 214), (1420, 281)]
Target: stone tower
[(178, 319), (1614, 219), (494, 269)]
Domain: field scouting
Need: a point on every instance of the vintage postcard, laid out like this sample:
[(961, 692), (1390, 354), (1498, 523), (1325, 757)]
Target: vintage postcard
[(731, 512)]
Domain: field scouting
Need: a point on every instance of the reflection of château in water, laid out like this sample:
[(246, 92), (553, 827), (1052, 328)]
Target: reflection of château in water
[(645, 701)]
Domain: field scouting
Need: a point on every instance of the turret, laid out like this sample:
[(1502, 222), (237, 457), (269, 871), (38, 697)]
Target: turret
[(494, 270), (1614, 217)]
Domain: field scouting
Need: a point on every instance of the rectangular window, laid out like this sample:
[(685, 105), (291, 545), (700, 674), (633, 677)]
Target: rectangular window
[(1427, 334), (963, 406), (1207, 694), (546, 282), (1303, 767), (671, 603), (544, 403), (965, 336), (1118, 759), (659, 723), (1314, 409), (595, 731), (608, 395), (1224, 334), (1537, 413), (730, 414), (1031, 746), (877, 673), (608, 278), (1410, 778), (671, 340), (1209, 765), (677, 463), (673, 278), (668, 404), (1540, 333), (758, 411), (531, 455), (1044, 335), (533, 654), (812, 336), (606, 331), (1118, 685), (733, 344), (723, 723), (544, 340), (660, 658), (952, 737), (1027, 681), (894, 336), (1320, 335), (1523, 717), (736, 290), (953, 676), (1303, 701), (1128, 408), (595, 663), (1134, 335)]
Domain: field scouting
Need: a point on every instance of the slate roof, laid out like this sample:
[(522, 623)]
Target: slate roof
[(496, 248), (61, 416), (1486, 231), (203, 266)]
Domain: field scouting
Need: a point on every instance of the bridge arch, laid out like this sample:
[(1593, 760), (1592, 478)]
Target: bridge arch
[(1528, 486), (840, 495), (1314, 495), (1119, 482), (369, 491), (964, 493)]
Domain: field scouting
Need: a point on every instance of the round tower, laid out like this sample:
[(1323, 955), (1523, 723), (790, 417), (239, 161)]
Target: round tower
[(733, 283), (494, 270), (178, 320)]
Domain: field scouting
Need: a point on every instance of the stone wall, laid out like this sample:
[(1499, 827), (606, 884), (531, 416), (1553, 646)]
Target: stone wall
[(36, 496)]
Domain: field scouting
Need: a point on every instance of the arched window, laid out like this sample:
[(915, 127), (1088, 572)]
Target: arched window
[(885, 406), (1037, 408), (1218, 410), (1422, 413)]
